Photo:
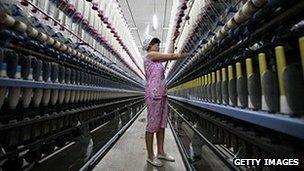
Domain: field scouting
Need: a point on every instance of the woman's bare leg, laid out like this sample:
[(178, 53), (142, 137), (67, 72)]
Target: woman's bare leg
[(149, 144), (160, 136)]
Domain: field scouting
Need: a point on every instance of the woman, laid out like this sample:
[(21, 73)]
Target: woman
[(156, 98)]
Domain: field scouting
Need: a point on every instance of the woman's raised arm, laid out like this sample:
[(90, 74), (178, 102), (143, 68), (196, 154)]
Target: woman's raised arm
[(156, 56)]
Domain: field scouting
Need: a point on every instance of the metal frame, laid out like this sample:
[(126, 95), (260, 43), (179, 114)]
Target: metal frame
[(66, 113), (181, 148), (101, 152), (278, 122), (8, 82), (40, 141), (210, 145), (282, 17), (104, 68)]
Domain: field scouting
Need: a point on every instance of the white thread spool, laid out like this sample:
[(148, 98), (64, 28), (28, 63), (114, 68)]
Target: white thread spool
[(62, 92), (20, 26), (69, 50), (248, 9), (73, 96), (46, 94), (42, 37), (206, 47), (223, 31), (27, 92), (77, 95), (54, 92), (54, 96), (38, 93), (50, 41), (67, 96), (211, 43), (83, 57), (258, 3), (57, 44), (219, 35), (225, 28), (86, 95), (213, 40), (92, 96), (99, 95), (78, 54), (96, 95), (46, 97), (74, 52), (63, 48), (61, 96), (3, 67), (7, 20), (37, 97), (231, 24), (239, 17), (32, 32), (82, 94), (14, 93)]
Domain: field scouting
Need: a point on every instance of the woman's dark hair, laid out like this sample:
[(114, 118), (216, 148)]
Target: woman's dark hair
[(154, 41)]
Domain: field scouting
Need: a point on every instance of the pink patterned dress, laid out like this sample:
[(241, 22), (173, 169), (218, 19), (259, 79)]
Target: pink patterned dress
[(155, 95)]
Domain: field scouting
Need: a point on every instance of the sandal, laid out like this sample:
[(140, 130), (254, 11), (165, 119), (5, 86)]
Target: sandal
[(166, 157), (155, 162)]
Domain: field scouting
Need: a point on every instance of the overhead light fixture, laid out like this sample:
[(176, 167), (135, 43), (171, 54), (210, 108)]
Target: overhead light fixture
[(148, 29), (154, 22)]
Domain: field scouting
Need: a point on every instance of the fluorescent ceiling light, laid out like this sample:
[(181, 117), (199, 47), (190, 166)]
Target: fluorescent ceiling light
[(148, 28), (154, 22)]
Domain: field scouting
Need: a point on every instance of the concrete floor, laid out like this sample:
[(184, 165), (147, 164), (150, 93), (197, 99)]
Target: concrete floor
[(129, 152)]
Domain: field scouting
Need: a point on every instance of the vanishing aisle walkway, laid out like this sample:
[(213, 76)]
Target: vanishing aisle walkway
[(129, 152)]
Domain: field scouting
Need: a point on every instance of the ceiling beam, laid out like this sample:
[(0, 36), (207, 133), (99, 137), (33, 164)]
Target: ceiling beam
[(129, 8)]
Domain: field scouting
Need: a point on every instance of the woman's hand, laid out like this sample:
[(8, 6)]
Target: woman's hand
[(182, 55)]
